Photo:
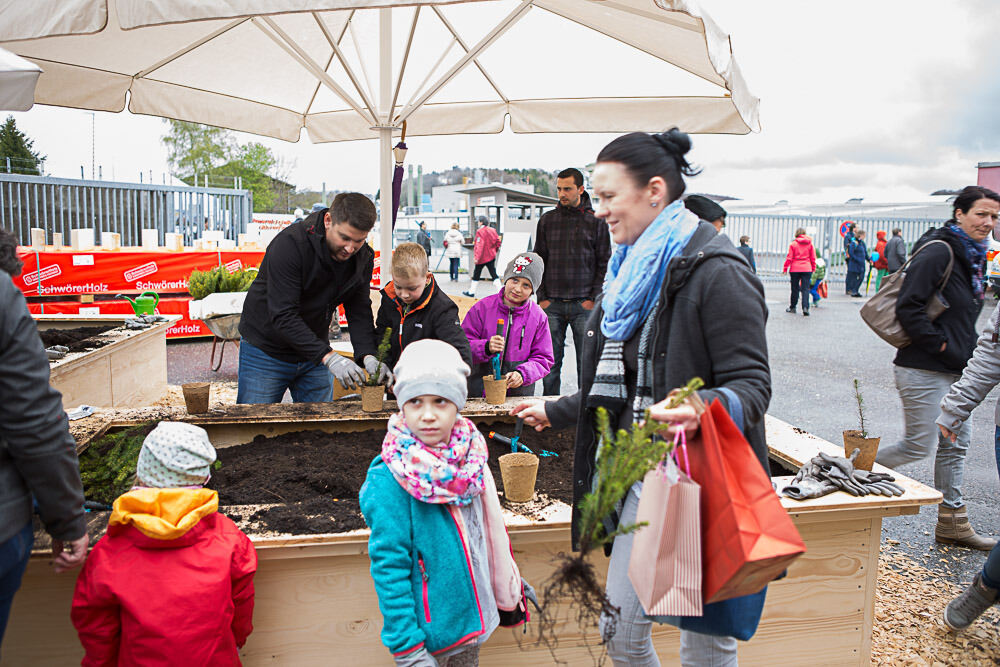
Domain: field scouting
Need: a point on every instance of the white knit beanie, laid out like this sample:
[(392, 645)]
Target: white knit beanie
[(431, 367), (175, 454)]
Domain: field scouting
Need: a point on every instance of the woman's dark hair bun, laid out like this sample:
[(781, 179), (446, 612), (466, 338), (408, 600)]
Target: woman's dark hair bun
[(676, 142)]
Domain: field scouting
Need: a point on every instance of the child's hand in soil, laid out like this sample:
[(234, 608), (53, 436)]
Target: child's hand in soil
[(496, 344), (514, 380), (533, 414)]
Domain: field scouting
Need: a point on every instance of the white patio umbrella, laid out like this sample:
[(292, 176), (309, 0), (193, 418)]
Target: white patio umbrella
[(356, 69), (17, 82)]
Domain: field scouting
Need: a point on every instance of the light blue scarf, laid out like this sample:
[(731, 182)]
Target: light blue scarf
[(635, 273)]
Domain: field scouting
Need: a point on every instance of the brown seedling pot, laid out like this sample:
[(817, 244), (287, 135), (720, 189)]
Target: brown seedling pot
[(196, 396), (371, 398), (496, 390), (518, 472), (868, 446)]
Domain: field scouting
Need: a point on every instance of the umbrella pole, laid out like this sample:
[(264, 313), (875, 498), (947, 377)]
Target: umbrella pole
[(385, 158)]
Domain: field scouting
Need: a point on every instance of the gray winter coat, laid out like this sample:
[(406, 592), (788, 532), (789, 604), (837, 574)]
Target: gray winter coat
[(895, 253), (37, 453), (981, 374)]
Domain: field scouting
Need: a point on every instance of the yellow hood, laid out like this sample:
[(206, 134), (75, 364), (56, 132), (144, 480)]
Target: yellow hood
[(164, 514)]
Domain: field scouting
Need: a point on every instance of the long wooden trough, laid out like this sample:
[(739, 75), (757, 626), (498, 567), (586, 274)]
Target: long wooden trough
[(316, 604), (129, 371)]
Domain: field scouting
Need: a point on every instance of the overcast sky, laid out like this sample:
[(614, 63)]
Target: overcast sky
[(885, 100)]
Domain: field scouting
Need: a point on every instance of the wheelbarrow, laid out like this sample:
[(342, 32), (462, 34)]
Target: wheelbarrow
[(225, 328)]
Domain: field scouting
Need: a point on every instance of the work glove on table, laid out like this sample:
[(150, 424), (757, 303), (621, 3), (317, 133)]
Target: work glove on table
[(808, 487), (348, 373), (56, 352), (840, 471), (878, 483), (379, 371)]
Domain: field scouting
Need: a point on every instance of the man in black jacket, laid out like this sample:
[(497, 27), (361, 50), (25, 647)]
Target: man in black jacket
[(575, 247), (309, 269), (37, 453)]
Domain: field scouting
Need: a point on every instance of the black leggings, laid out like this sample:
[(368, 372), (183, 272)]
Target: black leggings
[(800, 284), (490, 266)]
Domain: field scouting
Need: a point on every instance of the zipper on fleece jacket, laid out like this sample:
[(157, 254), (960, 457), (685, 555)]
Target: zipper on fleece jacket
[(425, 578)]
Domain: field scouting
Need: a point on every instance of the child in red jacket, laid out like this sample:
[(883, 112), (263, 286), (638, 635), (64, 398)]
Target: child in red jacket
[(171, 583)]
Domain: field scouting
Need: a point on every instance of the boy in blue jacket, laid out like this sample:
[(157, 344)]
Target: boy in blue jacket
[(440, 555)]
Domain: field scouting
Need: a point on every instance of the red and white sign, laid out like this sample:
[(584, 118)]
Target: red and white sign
[(147, 269)]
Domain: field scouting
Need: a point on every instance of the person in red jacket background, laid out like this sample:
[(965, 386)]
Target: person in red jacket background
[(171, 583), (882, 263), (484, 253), (800, 263)]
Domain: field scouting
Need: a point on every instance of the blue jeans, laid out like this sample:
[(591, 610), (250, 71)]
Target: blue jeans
[(991, 570), (632, 644), (264, 379), (563, 313), (996, 447), (921, 392), (814, 291), (453, 263), (853, 282), (800, 285), (13, 559)]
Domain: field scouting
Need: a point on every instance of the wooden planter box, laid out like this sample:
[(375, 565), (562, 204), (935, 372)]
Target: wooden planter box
[(315, 598), (129, 372)]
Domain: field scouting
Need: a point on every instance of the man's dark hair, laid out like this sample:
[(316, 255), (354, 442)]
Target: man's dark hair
[(355, 209), (572, 173), (897, 231), (8, 254)]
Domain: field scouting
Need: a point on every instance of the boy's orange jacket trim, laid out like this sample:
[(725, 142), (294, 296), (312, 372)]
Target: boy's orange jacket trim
[(163, 514)]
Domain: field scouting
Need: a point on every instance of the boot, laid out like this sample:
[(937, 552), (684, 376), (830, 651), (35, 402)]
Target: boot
[(790, 309), (967, 607), (953, 528)]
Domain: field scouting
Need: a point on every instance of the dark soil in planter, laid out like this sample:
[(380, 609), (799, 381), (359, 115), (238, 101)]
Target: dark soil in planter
[(313, 478), (77, 340)]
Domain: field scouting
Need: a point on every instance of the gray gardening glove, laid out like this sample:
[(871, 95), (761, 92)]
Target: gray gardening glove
[(809, 487), (136, 324), (840, 471), (419, 658), (879, 483), (378, 370), (809, 469), (56, 352), (348, 373)]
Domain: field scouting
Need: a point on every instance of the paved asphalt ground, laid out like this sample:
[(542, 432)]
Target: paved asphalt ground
[(813, 363)]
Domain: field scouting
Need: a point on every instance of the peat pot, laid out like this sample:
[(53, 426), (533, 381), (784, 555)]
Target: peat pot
[(315, 598), (868, 446), (496, 390)]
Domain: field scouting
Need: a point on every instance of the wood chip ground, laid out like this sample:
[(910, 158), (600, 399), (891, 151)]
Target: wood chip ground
[(908, 629)]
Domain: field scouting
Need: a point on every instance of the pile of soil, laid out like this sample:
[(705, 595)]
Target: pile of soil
[(309, 481), (80, 339)]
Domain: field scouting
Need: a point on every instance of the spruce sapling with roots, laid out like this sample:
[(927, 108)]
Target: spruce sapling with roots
[(623, 458), (861, 408), (382, 353)]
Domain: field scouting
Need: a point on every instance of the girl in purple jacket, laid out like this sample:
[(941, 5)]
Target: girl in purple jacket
[(511, 325)]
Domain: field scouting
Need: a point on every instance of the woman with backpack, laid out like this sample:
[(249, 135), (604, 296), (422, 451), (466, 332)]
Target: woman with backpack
[(939, 349)]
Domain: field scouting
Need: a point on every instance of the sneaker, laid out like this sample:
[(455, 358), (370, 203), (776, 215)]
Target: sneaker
[(967, 607), (858, 295), (790, 309), (469, 293), (805, 313)]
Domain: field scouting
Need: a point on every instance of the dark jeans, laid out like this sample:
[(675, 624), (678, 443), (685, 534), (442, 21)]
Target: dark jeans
[(853, 282), (13, 559), (563, 313), (490, 266), (264, 379), (800, 285), (453, 263)]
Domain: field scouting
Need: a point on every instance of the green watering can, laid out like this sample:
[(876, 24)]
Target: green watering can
[(142, 305)]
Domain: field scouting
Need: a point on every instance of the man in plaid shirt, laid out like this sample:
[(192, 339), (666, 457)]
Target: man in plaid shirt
[(575, 246)]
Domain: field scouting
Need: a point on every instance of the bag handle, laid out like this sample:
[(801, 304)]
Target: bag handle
[(951, 260), (680, 444)]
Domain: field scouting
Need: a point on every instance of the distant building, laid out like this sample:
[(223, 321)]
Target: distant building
[(989, 175)]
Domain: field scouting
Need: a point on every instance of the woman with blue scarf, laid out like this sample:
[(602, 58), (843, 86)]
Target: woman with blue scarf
[(679, 301), (939, 350)]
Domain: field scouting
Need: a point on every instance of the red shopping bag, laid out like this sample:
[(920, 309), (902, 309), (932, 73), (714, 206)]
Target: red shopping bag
[(748, 539), (822, 289), (665, 564)]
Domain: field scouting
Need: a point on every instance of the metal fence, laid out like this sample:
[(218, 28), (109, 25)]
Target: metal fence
[(60, 204), (770, 236)]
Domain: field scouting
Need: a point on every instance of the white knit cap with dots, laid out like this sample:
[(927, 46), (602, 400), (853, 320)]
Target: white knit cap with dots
[(175, 454)]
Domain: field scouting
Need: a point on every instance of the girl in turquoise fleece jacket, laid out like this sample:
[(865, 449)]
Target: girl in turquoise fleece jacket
[(440, 556)]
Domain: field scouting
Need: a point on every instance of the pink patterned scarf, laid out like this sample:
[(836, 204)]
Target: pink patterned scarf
[(449, 473)]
